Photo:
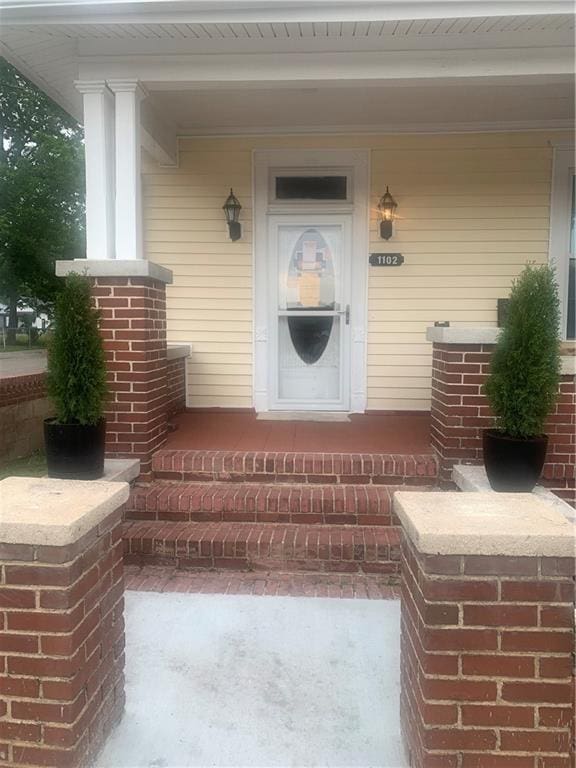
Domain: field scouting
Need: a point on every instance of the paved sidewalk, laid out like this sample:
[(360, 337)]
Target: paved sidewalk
[(258, 682), (166, 579), (22, 363)]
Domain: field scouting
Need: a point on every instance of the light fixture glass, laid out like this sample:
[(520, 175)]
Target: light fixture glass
[(232, 210), (387, 207)]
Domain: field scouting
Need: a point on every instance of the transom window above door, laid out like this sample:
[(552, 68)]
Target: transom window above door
[(310, 185)]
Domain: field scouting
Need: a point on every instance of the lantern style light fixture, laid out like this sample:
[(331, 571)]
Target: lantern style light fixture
[(232, 210), (387, 207)]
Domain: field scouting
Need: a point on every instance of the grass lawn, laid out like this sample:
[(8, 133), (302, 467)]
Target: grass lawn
[(31, 466), (23, 345)]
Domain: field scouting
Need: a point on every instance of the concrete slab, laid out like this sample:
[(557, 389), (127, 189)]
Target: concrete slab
[(217, 680), (120, 470), (473, 479)]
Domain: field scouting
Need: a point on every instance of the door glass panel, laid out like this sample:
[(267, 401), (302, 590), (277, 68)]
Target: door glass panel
[(310, 336), (314, 372), (309, 261), (309, 265)]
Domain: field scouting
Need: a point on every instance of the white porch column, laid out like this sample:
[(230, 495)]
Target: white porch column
[(128, 94), (99, 160)]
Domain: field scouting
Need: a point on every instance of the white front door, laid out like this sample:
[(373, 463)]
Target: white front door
[(309, 301)]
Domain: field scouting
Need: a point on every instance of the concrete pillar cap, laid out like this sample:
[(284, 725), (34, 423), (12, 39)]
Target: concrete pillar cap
[(114, 268), (509, 524), (49, 512)]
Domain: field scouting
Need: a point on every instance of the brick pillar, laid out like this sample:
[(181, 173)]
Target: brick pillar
[(459, 410), (131, 296), (487, 639), (61, 613), (559, 472)]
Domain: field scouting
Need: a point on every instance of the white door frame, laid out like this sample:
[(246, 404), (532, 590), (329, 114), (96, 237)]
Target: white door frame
[(560, 213), (356, 162)]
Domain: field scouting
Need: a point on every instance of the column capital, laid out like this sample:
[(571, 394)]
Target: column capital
[(92, 86), (127, 85)]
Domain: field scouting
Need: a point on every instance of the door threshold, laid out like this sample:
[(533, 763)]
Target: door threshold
[(303, 416)]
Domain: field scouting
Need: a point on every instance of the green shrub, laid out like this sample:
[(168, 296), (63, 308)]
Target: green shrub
[(76, 363), (525, 371)]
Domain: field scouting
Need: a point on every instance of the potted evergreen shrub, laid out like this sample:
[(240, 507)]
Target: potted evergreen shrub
[(522, 386), (74, 439)]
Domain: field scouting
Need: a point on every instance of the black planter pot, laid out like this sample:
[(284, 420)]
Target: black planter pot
[(75, 451), (513, 465)]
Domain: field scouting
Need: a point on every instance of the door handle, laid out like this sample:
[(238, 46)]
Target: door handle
[(346, 313)]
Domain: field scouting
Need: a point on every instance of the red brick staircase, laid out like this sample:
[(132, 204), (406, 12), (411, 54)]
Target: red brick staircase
[(321, 512)]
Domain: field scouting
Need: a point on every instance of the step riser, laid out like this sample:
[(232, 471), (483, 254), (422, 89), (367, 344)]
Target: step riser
[(224, 477), (265, 549), (263, 517), (326, 505), (326, 469), (245, 565)]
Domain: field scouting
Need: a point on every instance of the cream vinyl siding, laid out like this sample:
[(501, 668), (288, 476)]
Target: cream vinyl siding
[(472, 210)]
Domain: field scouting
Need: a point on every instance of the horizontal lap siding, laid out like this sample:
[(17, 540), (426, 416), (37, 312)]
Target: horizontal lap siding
[(470, 214), (210, 301), (472, 210)]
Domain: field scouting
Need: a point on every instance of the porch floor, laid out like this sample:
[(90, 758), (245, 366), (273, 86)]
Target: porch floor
[(391, 433)]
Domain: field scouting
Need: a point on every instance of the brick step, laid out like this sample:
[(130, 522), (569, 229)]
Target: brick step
[(252, 503), (313, 468), (264, 546)]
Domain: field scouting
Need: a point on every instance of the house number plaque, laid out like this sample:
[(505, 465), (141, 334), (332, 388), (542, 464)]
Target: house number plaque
[(386, 259)]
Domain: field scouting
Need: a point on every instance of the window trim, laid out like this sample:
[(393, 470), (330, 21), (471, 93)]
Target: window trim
[(563, 167)]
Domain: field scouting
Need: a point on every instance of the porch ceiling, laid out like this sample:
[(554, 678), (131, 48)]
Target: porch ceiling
[(294, 65), (369, 106)]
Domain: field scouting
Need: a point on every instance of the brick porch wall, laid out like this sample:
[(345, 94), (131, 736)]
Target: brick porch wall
[(133, 327), (23, 408), (460, 412), (61, 648), (487, 666), (176, 385)]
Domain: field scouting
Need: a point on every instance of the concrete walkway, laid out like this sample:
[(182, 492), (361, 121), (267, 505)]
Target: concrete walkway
[(220, 680), (22, 363)]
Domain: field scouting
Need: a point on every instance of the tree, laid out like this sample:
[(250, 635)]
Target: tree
[(76, 361), (41, 193), (522, 386)]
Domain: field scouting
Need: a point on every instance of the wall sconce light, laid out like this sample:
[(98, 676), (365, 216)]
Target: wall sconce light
[(387, 207), (232, 210)]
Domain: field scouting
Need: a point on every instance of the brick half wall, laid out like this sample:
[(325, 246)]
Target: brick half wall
[(460, 412), (487, 665), (176, 385), (61, 648), (23, 407)]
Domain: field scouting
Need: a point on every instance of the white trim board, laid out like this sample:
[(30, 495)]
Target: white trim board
[(563, 166), (359, 162)]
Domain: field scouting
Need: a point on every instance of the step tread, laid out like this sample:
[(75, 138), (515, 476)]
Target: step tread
[(253, 546)]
